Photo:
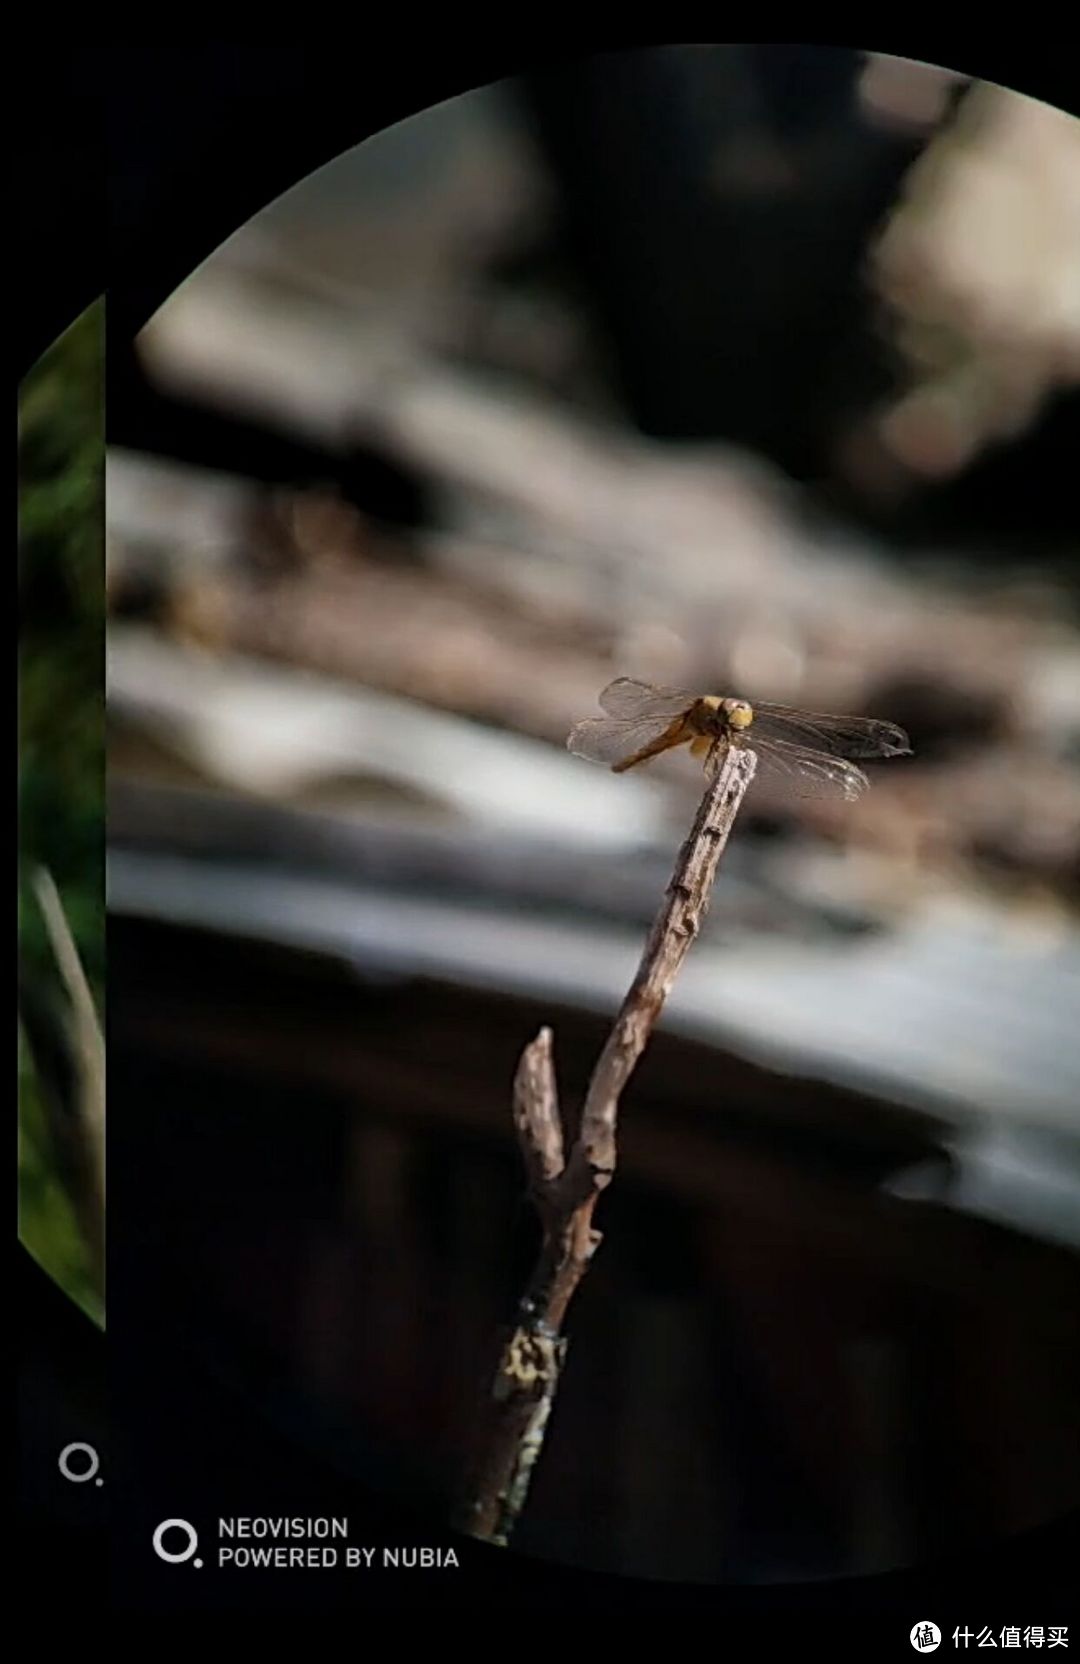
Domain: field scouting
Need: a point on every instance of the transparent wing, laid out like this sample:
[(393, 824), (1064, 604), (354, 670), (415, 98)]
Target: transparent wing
[(804, 772), (629, 698), (611, 740), (839, 736)]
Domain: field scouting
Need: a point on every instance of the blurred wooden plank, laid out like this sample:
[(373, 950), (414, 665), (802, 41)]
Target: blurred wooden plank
[(938, 1016), (273, 731)]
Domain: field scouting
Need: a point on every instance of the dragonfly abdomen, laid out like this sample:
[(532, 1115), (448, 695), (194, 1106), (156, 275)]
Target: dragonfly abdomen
[(677, 733)]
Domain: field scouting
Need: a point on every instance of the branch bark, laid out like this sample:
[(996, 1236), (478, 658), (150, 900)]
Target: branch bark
[(565, 1188)]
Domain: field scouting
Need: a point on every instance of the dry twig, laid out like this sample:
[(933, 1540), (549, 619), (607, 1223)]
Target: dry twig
[(566, 1188)]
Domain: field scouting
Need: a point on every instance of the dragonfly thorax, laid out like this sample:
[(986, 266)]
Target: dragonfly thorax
[(714, 715)]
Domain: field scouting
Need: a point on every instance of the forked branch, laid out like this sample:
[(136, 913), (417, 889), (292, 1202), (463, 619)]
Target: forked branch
[(566, 1187)]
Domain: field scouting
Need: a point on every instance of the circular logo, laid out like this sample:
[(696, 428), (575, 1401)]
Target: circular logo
[(182, 1554), (925, 1637), (81, 1473)]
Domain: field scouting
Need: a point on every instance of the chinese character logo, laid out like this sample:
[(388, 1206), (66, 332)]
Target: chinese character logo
[(925, 1637)]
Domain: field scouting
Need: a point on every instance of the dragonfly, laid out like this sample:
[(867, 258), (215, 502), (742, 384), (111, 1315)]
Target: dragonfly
[(816, 754)]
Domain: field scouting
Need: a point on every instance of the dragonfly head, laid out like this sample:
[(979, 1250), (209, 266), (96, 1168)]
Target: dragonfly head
[(739, 713)]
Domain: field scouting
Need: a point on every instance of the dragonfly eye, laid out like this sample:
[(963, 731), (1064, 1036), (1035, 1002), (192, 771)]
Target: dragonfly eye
[(739, 713)]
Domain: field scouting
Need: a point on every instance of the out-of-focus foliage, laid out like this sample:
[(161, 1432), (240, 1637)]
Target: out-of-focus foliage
[(61, 735)]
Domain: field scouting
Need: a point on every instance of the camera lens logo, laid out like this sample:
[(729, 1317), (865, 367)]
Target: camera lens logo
[(925, 1637), (176, 1556), (78, 1463)]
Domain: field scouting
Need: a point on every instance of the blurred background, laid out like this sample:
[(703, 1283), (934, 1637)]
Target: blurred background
[(746, 369)]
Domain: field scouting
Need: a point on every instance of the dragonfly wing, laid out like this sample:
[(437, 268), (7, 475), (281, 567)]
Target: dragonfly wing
[(613, 740), (627, 698), (839, 736), (808, 773)]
